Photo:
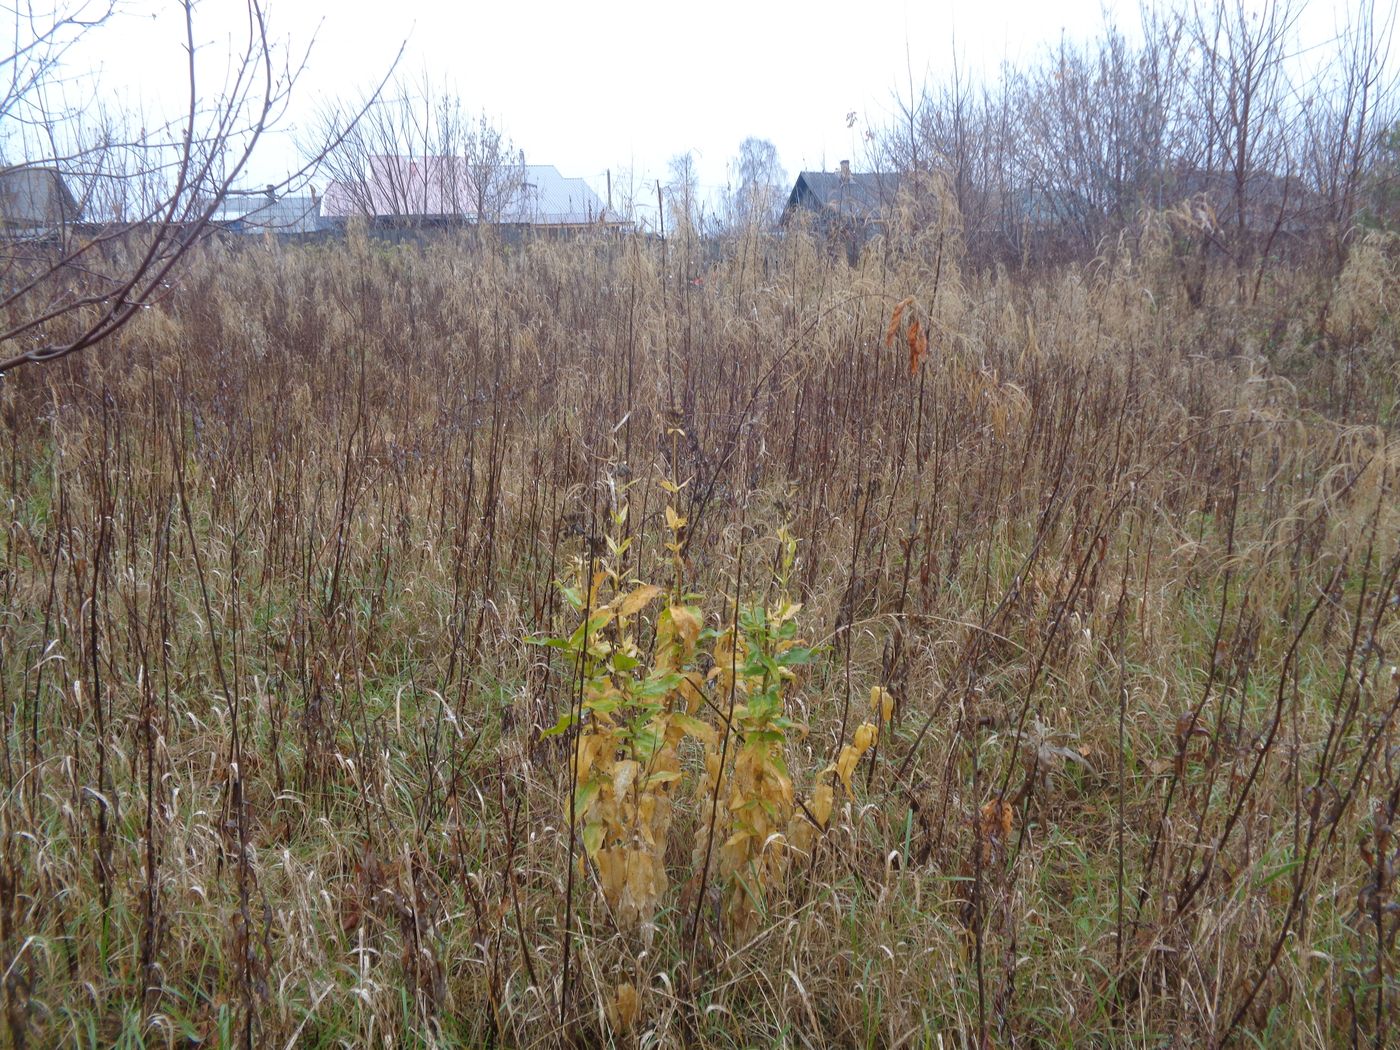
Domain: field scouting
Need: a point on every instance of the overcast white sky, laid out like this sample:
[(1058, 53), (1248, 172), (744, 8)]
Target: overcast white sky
[(623, 86)]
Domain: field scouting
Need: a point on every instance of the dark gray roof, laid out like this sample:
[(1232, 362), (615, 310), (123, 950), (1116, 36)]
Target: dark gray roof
[(859, 195)]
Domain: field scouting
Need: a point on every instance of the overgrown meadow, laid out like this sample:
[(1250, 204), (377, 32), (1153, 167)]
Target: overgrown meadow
[(619, 642)]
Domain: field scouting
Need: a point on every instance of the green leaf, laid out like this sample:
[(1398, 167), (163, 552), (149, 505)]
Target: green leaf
[(645, 743), (795, 657), (565, 723), (659, 686), (553, 643), (584, 796), (764, 706), (1286, 868), (604, 705), (764, 736)]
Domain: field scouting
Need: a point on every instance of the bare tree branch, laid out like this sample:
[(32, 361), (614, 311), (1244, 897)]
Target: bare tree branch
[(101, 215)]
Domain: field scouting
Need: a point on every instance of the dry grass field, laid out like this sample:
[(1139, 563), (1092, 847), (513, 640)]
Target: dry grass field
[(598, 643)]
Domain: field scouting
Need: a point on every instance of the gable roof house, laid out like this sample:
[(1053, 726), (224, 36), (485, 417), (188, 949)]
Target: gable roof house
[(35, 201), (439, 191), (547, 198), (846, 206)]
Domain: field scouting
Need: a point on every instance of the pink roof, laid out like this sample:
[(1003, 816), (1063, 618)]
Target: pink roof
[(533, 194), (405, 186)]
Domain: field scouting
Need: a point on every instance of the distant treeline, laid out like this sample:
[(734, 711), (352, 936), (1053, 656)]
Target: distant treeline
[(1213, 126)]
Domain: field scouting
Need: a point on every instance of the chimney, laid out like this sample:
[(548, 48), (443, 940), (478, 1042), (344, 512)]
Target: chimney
[(845, 171)]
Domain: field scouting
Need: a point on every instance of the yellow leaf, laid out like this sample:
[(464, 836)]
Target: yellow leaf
[(784, 788), (865, 737), (612, 873), (696, 727), (638, 599), (821, 803), (846, 765), (881, 703), (693, 690), (787, 612), (712, 765), (646, 814), (688, 625), (645, 880), (675, 522), (625, 1007), (589, 745)]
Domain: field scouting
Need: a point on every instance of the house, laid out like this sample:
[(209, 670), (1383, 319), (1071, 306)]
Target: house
[(441, 191), (35, 201), (846, 206), (404, 188), (547, 198)]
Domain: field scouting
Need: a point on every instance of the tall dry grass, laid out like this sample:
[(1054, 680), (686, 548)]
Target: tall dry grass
[(274, 561)]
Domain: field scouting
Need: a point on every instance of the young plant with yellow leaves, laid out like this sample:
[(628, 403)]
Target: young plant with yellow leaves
[(630, 717), (746, 796)]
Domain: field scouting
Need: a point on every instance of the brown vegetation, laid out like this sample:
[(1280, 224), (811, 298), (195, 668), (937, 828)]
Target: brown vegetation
[(1095, 742)]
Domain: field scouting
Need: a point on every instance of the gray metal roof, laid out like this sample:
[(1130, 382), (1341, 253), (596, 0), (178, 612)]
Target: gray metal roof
[(260, 215), (550, 199)]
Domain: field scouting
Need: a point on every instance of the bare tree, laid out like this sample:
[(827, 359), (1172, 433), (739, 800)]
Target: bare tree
[(42, 37), (759, 187), (1345, 117), (1244, 164), (1096, 132), (683, 192), (1380, 205), (1259, 147), (495, 174), (146, 195), (416, 154)]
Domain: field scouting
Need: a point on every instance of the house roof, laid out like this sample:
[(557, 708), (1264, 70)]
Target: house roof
[(548, 198), (439, 186), (257, 214), (35, 197), (860, 195)]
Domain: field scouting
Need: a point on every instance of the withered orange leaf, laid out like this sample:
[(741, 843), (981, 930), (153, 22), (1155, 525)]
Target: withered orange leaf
[(893, 328), (918, 344)]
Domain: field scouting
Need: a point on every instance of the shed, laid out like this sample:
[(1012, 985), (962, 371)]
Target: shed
[(35, 200)]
